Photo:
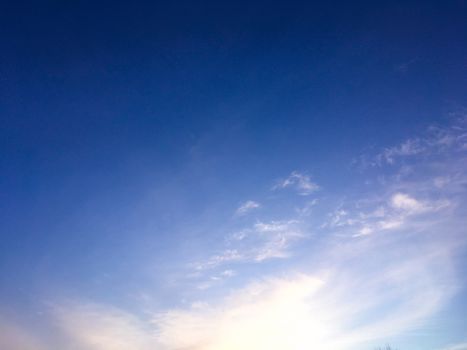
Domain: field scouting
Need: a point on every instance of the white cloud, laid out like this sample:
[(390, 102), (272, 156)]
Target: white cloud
[(246, 207), (410, 206), (390, 224), (365, 230), (300, 182), (396, 212), (404, 202), (401, 210)]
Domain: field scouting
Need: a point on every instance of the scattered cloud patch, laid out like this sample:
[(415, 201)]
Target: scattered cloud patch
[(401, 208), (393, 213), (300, 182)]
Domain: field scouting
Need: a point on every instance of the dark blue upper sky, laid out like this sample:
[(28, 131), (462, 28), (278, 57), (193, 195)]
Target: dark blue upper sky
[(88, 86), (124, 123)]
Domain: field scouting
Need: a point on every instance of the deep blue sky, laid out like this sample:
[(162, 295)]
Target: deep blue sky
[(132, 134)]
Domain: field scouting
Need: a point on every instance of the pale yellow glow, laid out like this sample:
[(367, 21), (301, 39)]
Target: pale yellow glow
[(272, 315)]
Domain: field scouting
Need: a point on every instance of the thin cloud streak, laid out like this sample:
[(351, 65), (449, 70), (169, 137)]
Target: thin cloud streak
[(247, 207)]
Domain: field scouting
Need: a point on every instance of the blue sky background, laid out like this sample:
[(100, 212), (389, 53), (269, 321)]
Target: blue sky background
[(226, 175)]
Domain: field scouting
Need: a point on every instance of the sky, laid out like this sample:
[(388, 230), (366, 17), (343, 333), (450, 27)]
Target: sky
[(224, 175)]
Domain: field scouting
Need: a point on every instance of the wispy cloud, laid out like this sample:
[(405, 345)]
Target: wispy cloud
[(302, 183), (268, 240), (433, 141), (226, 256), (383, 214), (262, 241), (246, 207), (306, 209), (407, 148)]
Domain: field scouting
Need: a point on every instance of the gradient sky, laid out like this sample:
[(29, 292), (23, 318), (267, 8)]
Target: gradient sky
[(254, 175)]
